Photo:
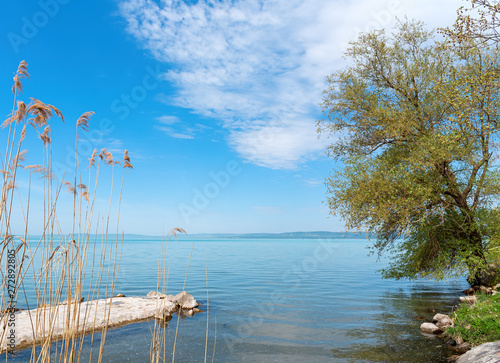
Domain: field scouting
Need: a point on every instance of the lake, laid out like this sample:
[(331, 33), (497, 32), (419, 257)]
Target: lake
[(281, 301)]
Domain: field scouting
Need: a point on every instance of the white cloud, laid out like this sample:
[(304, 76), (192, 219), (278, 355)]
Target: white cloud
[(259, 66), (172, 133), (181, 131), (314, 182), (167, 120)]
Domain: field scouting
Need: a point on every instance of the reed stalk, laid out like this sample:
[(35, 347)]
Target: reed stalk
[(54, 267), (55, 271)]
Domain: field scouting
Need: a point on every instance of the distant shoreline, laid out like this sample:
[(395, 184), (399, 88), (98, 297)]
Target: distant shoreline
[(286, 235)]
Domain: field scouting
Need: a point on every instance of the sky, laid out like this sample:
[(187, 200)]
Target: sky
[(216, 102)]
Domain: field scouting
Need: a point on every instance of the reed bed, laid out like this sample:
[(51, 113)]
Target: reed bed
[(59, 265)]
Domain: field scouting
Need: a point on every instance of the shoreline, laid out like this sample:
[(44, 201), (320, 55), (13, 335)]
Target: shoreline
[(465, 352)]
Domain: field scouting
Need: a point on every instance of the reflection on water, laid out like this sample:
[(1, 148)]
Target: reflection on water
[(395, 338), (282, 301)]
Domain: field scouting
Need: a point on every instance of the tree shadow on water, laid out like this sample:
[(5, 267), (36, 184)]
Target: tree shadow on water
[(393, 333)]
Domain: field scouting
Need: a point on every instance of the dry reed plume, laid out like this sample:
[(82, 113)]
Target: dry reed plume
[(55, 266), (58, 266)]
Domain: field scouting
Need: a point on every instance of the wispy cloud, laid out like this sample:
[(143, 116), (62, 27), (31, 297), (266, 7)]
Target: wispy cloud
[(258, 66), (172, 133), (179, 131), (167, 120), (314, 182)]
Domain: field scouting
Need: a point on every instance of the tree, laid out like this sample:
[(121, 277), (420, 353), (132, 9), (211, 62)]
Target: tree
[(416, 124), (480, 22)]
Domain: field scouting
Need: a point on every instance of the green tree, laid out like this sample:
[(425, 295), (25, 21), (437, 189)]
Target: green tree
[(416, 125), (479, 22)]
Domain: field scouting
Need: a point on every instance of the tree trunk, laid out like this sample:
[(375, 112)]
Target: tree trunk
[(477, 263)]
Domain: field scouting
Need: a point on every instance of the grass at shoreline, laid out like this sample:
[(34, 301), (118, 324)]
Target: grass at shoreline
[(478, 323)]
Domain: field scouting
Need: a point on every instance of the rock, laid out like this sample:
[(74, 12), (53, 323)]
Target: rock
[(445, 323), (196, 310), (470, 290), (165, 310), (119, 295), (11, 310), (462, 348), (430, 328), (438, 317), (442, 321), (453, 358), (470, 299), (91, 316), (185, 300), (486, 290), (152, 294), (458, 340), (496, 289), (155, 295), (484, 353), (65, 302)]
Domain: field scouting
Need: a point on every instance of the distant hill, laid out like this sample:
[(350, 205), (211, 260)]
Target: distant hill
[(286, 235), (201, 236)]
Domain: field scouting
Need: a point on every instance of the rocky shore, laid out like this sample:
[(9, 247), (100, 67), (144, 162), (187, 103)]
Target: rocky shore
[(20, 329), (484, 353)]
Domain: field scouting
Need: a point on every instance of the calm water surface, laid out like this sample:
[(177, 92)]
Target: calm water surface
[(282, 301)]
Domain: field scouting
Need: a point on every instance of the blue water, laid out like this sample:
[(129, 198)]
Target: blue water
[(281, 301)]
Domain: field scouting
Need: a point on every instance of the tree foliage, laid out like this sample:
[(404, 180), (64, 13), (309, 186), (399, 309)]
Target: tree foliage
[(416, 124), (479, 22)]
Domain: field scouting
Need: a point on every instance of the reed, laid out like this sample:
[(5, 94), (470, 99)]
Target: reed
[(71, 261), (158, 352), (57, 266)]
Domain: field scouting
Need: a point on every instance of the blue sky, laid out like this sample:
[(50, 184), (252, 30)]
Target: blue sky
[(216, 101)]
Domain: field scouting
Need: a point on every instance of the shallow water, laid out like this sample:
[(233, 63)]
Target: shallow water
[(281, 301)]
